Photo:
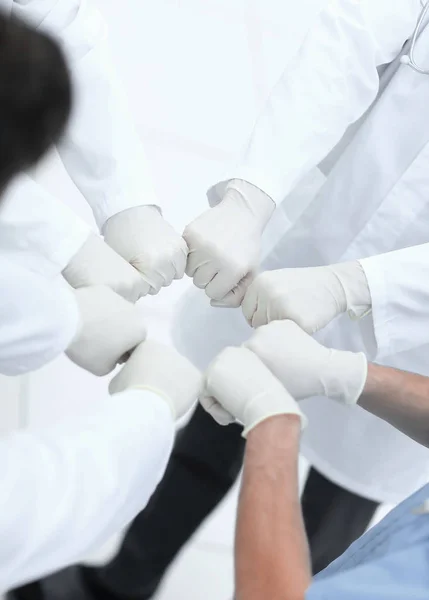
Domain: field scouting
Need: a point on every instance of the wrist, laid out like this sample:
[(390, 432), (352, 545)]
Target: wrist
[(80, 318), (263, 409), (346, 376), (159, 394), (352, 278), (154, 208), (375, 380), (278, 435), (84, 252), (141, 208)]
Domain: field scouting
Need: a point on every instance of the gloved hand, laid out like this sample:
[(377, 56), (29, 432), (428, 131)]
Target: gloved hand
[(97, 264), (238, 384), (224, 243), (305, 367), (110, 328), (149, 244), (311, 297), (164, 371)]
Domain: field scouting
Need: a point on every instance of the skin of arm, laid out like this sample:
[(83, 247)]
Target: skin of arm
[(400, 398), (271, 551)]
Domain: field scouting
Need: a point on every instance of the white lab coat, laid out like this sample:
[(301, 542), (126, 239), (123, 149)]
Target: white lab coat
[(66, 489), (101, 150), (375, 200), (38, 318)]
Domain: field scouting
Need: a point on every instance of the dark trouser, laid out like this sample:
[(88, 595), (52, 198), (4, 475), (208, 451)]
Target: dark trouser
[(204, 465)]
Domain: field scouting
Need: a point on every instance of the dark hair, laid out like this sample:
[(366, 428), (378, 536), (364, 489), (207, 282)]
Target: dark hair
[(35, 96)]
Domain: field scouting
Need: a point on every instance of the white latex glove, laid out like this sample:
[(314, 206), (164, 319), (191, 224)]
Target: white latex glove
[(224, 243), (110, 328), (306, 367), (149, 244), (311, 297), (162, 370), (97, 264), (238, 385)]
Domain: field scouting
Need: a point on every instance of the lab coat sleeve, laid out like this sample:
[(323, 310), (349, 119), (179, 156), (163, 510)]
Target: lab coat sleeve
[(395, 576), (327, 86), (42, 233), (101, 150), (38, 319), (67, 489), (399, 286)]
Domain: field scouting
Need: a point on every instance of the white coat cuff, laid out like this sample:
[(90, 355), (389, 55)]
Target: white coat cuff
[(380, 302)]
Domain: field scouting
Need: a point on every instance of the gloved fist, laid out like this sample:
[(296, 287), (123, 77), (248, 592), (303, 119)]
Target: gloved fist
[(97, 264), (305, 367), (224, 243), (150, 244), (110, 328), (162, 370), (239, 386), (311, 297)]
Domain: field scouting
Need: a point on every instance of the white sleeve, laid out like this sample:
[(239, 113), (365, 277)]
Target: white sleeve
[(399, 286), (101, 150), (38, 319), (67, 489), (325, 88), (42, 233)]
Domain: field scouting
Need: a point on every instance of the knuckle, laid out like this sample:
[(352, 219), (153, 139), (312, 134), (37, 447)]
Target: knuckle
[(234, 301), (252, 344), (144, 262), (269, 328), (291, 328), (262, 334), (263, 280), (228, 354), (286, 306), (192, 235), (303, 322)]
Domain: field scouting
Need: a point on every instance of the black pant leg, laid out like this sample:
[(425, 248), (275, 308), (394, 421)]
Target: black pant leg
[(204, 465), (333, 518)]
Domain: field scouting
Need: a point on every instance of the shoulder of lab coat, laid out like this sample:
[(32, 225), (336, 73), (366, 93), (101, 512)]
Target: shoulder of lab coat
[(38, 319), (325, 87), (101, 149), (67, 489), (42, 233), (399, 286)]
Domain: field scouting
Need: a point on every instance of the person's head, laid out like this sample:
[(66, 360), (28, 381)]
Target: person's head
[(35, 96)]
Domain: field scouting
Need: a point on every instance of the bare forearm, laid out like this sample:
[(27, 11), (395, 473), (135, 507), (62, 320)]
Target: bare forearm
[(271, 553), (400, 398)]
